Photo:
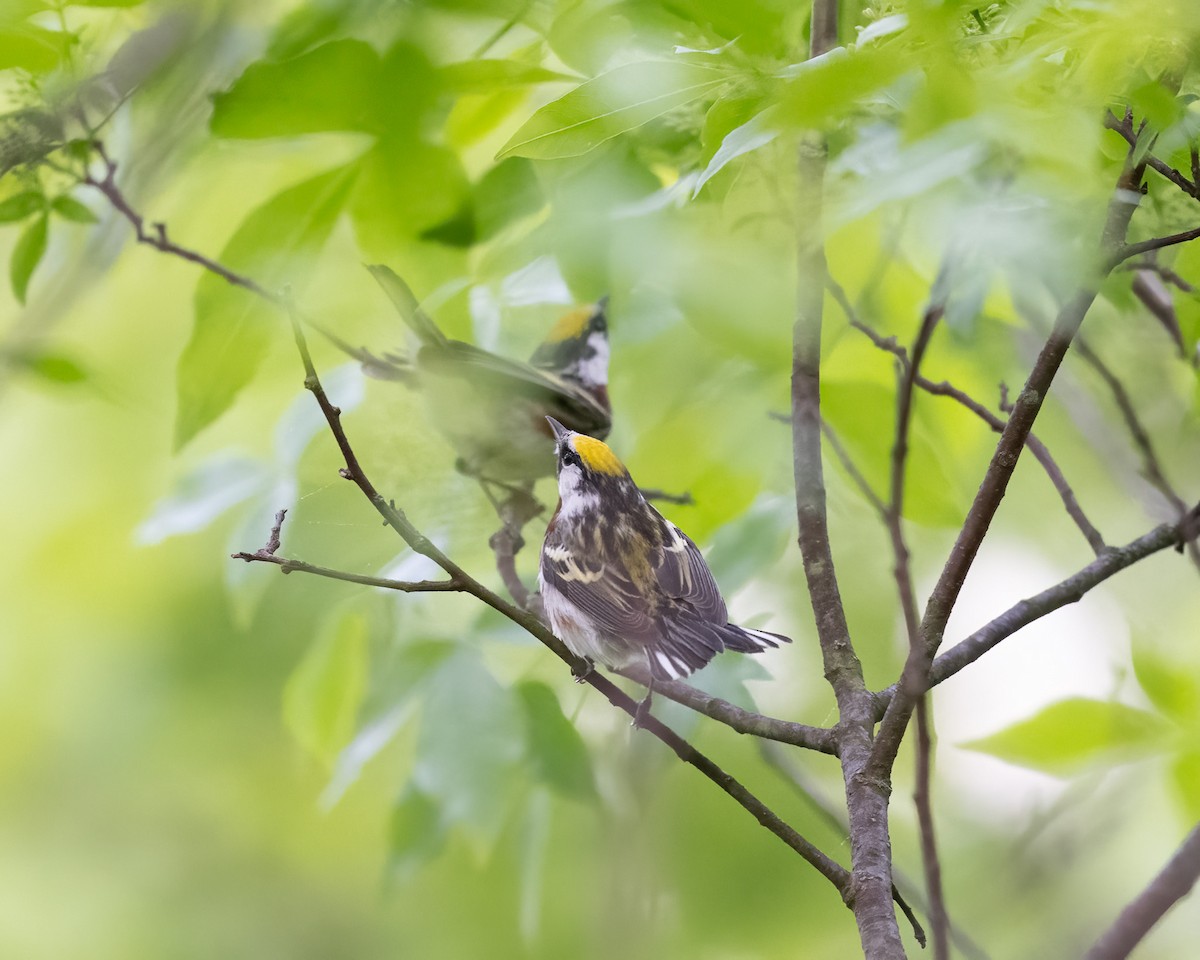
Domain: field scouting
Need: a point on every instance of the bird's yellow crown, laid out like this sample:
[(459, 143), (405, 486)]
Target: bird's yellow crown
[(597, 457), (570, 325)]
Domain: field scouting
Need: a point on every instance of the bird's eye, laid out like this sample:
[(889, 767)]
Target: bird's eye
[(570, 458)]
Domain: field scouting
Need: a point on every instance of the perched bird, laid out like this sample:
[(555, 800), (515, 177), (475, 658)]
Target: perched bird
[(492, 409), (623, 585)]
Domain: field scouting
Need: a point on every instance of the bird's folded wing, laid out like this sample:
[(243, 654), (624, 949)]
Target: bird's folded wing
[(683, 575), (562, 400), (603, 591)]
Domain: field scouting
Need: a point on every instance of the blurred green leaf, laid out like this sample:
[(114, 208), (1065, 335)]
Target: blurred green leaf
[(31, 48), (756, 132), (416, 833), (1071, 734), (56, 368), (507, 192), (486, 76), (610, 105), (1185, 775), (21, 205), (470, 743), (276, 243), (203, 494), (825, 88), (336, 86), (26, 255), (1172, 686), (556, 750), (323, 694), (71, 209), (405, 188), (752, 543)]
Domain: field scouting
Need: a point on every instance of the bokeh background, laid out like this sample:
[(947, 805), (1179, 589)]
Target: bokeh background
[(202, 757)]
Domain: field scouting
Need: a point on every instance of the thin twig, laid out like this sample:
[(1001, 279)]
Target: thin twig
[(158, 238), (1173, 883), (945, 389), (1145, 246), (1152, 468), (820, 739), (1125, 129), (1070, 590), (856, 475), (917, 663), (289, 565), (1003, 463)]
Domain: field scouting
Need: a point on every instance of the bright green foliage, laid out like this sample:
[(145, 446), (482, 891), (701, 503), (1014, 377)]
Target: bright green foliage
[(276, 244), (1069, 735), (557, 753), (27, 254), (321, 699), (507, 159)]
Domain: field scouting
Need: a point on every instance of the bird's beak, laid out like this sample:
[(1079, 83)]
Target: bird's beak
[(559, 430)]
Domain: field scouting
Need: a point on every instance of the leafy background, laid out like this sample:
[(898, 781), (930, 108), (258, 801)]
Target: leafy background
[(204, 757)]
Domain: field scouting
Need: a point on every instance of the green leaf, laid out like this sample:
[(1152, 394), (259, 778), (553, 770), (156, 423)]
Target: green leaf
[(276, 243), (342, 85), (21, 205), (556, 750), (756, 132), (332, 87), (1171, 685), (506, 193), (26, 255), (416, 833), (31, 48), (406, 187), (56, 368), (469, 746), (1072, 734), (752, 543), (1185, 773), (610, 105), (71, 209), (825, 88), (323, 694), (486, 76)]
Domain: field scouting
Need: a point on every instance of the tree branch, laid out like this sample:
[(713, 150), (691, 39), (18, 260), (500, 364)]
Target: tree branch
[(1145, 246), (1173, 883), (1151, 466), (1125, 129), (1003, 463), (917, 663), (945, 389), (866, 799), (287, 565), (1070, 590), (820, 739)]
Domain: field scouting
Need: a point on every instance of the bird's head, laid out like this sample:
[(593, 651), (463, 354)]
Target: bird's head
[(577, 346), (588, 470)]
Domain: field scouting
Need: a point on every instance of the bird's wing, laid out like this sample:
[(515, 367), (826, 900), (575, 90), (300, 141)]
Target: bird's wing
[(407, 305), (563, 400), (684, 576), (602, 589)]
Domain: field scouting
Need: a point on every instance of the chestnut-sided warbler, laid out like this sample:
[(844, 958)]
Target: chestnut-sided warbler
[(620, 583), (492, 409)]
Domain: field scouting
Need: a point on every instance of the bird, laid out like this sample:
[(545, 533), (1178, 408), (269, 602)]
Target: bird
[(492, 409), (621, 584)]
